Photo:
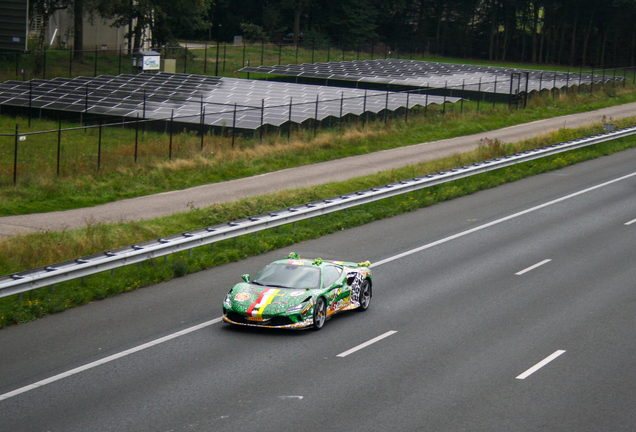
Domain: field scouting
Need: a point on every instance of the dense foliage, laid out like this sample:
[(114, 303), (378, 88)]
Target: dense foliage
[(565, 32)]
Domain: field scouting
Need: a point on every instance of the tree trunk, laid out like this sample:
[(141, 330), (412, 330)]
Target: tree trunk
[(586, 41), (78, 30), (493, 30), (297, 13), (573, 45), (535, 28)]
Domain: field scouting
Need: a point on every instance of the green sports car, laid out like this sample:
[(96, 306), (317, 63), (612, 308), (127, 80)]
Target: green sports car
[(295, 293)]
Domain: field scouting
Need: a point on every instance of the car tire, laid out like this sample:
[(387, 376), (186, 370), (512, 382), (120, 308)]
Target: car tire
[(365, 296), (320, 313)]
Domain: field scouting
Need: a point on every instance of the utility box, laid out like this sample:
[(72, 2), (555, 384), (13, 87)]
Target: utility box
[(169, 65), (145, 61)]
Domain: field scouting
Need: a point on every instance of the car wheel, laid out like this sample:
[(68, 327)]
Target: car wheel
[(365, 296), (320, 313)]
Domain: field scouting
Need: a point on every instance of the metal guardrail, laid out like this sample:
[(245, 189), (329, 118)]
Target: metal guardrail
[(56, 273)]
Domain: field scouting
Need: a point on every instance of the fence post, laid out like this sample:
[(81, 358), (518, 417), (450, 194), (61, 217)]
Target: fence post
[(262, 119), (205, 58), (426, 102), (280, 52), (478, 94), (364, 107), (70, 63), (234, 125), (15, 156), (494, 94), (316, 117), (185, 60), (136, 137), (341, 105), (216, 70), (224, 54), (44, 68), (202, 124), (406, 112), (99, 148), (171, 121), (592, 81), (59, 144), (262, 52), (386, 107), (461, 110), (30, 99), (444, 104), (289, 121), (86, 100), (95, 69)]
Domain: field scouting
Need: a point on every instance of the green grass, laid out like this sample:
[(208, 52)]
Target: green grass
[(81, 184), (60, 63)]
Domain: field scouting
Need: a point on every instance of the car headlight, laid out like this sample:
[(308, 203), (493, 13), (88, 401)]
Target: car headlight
[(299, 307), (228, 301)]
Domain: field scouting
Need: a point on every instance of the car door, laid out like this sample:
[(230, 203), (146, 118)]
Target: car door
[(338, 293)]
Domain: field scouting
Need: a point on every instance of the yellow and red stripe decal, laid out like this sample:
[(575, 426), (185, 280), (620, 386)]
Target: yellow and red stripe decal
[(266, 297)]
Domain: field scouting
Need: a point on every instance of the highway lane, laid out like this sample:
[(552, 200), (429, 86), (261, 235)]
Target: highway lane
[(466, 325)]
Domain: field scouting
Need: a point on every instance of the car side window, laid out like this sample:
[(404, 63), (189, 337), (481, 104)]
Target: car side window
[(330, 275)]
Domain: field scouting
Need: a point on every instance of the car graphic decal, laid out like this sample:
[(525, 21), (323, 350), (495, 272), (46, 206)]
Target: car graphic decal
[(265, 298)]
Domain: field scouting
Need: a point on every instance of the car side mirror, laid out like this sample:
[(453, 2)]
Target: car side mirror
[(246, 278)]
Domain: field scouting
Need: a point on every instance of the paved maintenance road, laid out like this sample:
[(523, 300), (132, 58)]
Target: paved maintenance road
[(152, 206), (511, 309)]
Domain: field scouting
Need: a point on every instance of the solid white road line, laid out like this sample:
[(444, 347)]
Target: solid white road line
[(376, 264), (107, 359), (498, 221), (631, 222), (366, 344), (533, 267), (539, 365)]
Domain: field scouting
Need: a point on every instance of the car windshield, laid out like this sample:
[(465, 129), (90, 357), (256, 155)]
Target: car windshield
[(288, 276)]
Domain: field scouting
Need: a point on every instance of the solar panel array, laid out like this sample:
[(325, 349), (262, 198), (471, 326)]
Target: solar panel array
[(435, 75), (244, 104)]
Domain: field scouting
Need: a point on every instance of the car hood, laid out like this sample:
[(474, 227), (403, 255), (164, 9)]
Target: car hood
[(276, 300)]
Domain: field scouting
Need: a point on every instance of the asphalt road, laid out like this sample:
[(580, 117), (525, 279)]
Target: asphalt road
[(152, 206), (509, 309)]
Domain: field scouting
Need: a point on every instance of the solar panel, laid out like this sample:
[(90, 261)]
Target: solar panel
[(247, 104), (434, 75)]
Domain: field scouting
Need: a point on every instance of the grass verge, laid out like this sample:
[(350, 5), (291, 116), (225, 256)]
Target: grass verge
[(54, 247), (80, 184)]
